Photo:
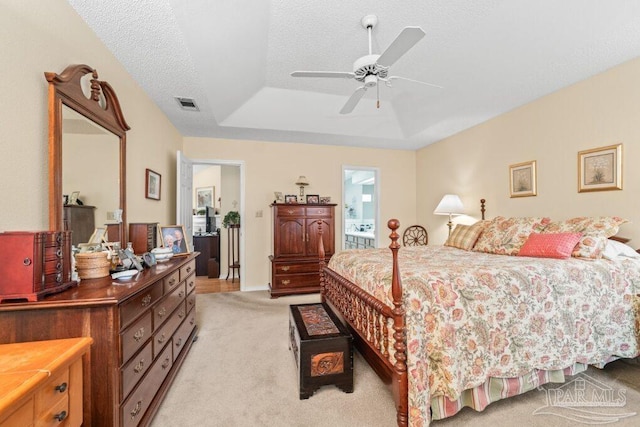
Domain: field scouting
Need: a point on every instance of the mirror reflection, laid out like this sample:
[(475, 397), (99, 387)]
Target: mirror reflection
[(361, 205), (90, 175)]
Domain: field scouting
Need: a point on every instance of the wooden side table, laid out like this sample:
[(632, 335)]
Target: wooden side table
[(233, 251), (42, 382)]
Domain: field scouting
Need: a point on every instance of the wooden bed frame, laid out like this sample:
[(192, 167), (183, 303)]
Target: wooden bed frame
[(367, 319)]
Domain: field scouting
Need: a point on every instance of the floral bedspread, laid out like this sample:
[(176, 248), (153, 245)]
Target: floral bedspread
[(471, 316)]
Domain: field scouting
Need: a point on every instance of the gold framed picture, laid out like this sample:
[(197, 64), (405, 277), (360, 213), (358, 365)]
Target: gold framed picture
[(600, 169), (522, 179)]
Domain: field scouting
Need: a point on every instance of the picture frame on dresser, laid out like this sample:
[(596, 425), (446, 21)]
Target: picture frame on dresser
[(313, 199), (291, 198), (152, 184), (600, 169), (522, 179), (173, 236)]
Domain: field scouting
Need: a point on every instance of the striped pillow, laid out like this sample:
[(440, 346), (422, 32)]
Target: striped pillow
[(465, 236)]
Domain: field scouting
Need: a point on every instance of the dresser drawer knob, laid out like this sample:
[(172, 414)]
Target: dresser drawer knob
[(136, 410), (139, 334), (172, 281), (166, 363), (181, 294), (26, 261), (285, 282), (189, 269), (139, 367), (161, 339), (285, 268), (162, 312), (179, 343), (192, 321), (146, 300), (60, 416), (181, 314), (61, 387)]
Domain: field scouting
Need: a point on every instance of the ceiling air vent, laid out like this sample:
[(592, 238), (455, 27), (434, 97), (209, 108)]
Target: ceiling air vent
[(187, 103)]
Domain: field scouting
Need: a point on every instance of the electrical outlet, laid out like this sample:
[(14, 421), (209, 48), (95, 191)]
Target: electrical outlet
[(111, 216), (259, 214)]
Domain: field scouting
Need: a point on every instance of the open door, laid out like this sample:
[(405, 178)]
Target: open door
[(184, 195)]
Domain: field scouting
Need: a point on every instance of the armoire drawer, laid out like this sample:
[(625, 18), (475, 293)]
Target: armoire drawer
[(323, 211), (296, 280), (135, 336), (293, 268)]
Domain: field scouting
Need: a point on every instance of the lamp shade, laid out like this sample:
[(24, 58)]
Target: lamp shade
[(449, 205), (302, 180)]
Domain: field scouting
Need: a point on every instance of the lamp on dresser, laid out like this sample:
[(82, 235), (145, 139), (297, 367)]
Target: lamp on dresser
[(449, 205), (302, 182)]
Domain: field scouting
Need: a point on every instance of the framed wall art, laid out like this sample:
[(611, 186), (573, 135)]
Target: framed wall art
[(152, 185), (600, 169), (522, 179), (204, 197)]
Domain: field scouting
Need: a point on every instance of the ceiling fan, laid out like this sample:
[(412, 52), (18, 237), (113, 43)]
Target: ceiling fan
[(371, 69)]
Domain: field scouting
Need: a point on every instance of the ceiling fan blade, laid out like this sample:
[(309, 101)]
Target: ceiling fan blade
[(405, 41), (353, 100), (332, 74), (414, 81)]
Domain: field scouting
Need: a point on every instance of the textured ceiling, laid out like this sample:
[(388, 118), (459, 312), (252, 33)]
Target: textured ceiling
[(234, 57)]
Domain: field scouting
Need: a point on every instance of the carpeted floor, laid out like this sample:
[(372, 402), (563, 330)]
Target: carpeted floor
[(240, 372)]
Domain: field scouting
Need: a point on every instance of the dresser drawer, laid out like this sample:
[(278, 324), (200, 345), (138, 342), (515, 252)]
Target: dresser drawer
[(56, 389), (136, 305), (134, 370), (191, 301), (162, 311), (136, 405), (182, 335), (163, 335), (296, 280), (191, 283), (171, 281), (135, 336), (187, 269)]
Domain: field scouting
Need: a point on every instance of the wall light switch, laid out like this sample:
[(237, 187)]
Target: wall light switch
[(259, 214), (111, 216)]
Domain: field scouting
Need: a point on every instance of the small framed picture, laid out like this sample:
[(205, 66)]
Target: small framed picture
[(279, 196), (291, 198), (600, 169), (152, 185), (73, 199), (99, 235), (325, 200), (522, 179), (173, 236), (313, 199)]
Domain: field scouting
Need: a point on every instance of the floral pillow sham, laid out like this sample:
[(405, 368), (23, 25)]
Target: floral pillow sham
[(595, 233), (505, 236)]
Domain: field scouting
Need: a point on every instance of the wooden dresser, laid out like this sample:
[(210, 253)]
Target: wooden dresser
[(42, 382), (142, 330), (294, 263)]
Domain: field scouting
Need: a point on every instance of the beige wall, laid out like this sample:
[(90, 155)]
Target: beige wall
[(39, 36), (273, 167), (601, 111)]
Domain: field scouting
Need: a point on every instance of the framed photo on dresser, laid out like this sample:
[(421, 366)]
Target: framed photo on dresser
[(313, 198), (291, 198)]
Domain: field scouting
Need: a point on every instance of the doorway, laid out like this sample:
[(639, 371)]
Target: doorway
[(208, 189), (360, 197)]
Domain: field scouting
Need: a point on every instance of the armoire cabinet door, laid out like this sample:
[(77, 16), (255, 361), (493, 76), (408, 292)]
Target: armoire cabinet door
[(327, 236), (290, 237)]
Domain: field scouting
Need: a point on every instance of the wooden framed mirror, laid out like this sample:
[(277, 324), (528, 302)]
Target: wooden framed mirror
[(87, 153)]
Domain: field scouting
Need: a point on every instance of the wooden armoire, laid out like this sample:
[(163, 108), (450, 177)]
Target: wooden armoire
[(294, 263)]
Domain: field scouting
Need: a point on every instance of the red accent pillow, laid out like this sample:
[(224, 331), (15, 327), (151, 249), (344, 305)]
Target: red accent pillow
[(558, 245)]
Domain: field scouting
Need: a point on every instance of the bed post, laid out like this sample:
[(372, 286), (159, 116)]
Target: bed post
[(482, 207), (321, 255), (400, 367)]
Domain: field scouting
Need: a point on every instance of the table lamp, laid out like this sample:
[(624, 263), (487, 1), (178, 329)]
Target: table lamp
[(449, 205)]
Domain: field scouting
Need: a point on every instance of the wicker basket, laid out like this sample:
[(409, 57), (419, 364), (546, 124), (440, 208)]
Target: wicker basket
[(92, 265)]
